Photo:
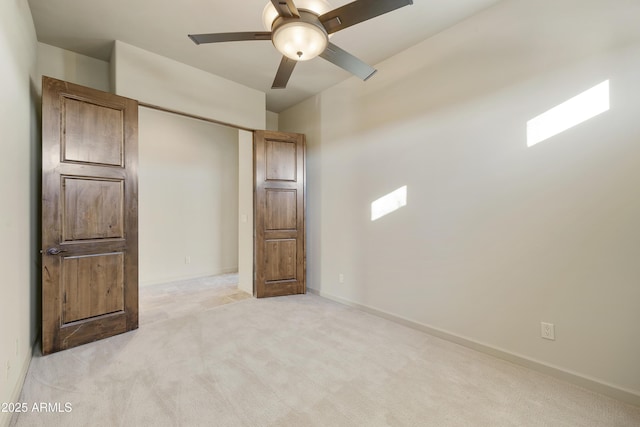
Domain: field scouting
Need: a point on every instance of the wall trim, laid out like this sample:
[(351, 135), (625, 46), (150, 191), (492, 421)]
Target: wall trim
[(575, 378), (222, 271), (193, 116), (5, 419)]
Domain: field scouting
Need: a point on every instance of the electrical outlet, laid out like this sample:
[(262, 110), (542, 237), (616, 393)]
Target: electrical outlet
[(547, 331), (341, 278)]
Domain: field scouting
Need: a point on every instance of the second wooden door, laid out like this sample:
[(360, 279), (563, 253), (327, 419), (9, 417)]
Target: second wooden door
[(279, 214)]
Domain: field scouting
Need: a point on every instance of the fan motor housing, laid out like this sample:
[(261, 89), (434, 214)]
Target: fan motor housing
[(307, 16)]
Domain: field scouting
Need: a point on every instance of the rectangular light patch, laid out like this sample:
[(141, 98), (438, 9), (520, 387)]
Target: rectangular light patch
[(570, 113), (389, 203)]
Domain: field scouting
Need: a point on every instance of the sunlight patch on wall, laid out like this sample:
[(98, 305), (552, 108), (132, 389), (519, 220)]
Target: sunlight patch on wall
[(570, 113), (389, 203)]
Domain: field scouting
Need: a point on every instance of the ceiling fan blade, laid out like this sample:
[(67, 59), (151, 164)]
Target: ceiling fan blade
[(286, 8), (284, 72), (358, 11), (345, 60), (229, 37)]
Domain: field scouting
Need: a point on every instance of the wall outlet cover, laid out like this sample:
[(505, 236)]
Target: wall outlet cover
[(547, 331)]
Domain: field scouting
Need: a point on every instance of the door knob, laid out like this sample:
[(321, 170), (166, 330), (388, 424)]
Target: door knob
[(54, 251)]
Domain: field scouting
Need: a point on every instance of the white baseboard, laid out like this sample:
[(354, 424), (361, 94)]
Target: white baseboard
[(5, 418), (227, 270), (592, 384)]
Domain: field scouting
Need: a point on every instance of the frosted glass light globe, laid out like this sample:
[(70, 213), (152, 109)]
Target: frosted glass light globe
[(300, 40), (269, 14)]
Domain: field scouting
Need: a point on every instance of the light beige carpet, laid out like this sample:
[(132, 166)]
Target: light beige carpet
[(298, 361), (176, 299)]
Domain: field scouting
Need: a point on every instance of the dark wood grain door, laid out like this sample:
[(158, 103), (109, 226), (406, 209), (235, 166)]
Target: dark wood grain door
[(279, 214), (89, 215)]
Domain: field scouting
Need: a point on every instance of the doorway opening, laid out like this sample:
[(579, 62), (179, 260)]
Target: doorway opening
[(188, 214)]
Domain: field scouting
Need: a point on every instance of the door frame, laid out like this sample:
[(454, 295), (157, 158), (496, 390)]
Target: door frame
[(246, 190)]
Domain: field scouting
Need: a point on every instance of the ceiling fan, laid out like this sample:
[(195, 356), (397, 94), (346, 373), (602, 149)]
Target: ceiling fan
[(303, 33)]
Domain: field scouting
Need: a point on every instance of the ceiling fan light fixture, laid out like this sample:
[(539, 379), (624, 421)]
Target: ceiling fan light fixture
[(299, 40), (300, 30)]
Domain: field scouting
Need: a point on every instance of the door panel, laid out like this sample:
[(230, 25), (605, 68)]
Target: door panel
[(92, 285), (280, 260), (281, 210), (280, 158), (92, 133), (89, 215), (93, 208), (279, 214)]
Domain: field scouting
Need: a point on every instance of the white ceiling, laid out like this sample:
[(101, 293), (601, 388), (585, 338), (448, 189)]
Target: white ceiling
[(161, 26)]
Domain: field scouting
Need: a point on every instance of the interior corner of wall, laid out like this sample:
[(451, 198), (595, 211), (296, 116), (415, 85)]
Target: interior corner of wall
[(272, 121), (113, 81)]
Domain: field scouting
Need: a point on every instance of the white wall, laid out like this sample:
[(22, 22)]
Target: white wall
[(19, 193), (73, 67), (272, 121), (188, 198), (161, 81), (496, 237)]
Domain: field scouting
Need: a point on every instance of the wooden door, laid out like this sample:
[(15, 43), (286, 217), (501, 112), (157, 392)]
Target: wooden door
[(279, 214), (89, 215)]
